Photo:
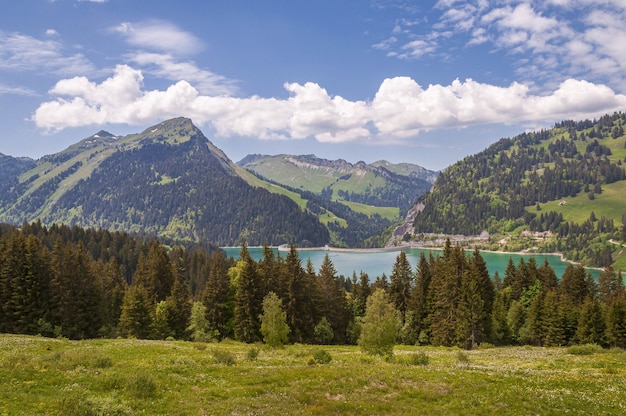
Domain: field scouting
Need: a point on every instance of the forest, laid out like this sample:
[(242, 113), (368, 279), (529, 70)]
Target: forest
[(79, 283), (503, 187)]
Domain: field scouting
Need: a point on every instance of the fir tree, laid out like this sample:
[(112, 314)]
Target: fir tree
[(334, 303), (247, 302), (218, 298), (401, 283), (591, 323), (136, 317), (300, 309)]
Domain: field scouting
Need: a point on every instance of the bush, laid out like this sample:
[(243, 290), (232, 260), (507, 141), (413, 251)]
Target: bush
[(462, 358), (253, 353), (415, 358), (224, 357), (320, 357), (586, 349)]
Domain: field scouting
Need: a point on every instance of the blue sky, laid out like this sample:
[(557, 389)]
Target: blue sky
[(406, 81)]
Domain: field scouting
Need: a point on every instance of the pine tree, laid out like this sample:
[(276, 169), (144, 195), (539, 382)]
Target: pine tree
[(445, 287), (500, 331), (552, 320), (616, 323), (610, 285), (136, 317), (300, 309), (154, 273), (247, 303), (470, 312), (591, 323), (401, 283), (113, 289), (334, 304), (178, 303), (487, 291), (218, 298)]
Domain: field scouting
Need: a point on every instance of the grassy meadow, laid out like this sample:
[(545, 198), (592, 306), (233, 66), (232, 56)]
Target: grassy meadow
[(42, 376)]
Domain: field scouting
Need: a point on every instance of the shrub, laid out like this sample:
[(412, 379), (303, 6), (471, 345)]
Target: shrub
[(321, 357), (253, 353), (415, 358), (223, 357), (586, 349), (462, 358)]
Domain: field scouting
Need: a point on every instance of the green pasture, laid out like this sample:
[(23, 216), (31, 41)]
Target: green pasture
[(42, 376)]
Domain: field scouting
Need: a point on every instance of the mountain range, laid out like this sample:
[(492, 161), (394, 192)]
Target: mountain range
[(170, 181)]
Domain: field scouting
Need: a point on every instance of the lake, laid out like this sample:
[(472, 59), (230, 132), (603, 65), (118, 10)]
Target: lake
[(377, 263)]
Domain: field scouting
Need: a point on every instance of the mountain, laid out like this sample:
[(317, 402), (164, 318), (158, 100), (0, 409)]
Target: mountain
[(169, 181), (556, 190), (380, 184)]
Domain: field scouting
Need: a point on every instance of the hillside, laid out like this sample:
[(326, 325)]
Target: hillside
[(380, 184), (169, 180), (556, 190)]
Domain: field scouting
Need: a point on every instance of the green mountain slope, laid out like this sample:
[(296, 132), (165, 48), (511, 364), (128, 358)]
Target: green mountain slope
[(356, 202), (556, 190), (381, 184), (168, 181)]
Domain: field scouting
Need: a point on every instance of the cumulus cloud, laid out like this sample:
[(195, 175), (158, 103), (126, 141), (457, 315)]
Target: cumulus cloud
[(400, 109)]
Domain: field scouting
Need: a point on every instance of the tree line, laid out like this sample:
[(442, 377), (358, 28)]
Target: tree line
[(54, 282)]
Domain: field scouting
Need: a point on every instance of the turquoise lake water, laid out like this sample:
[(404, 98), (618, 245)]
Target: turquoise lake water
[(375, 264)]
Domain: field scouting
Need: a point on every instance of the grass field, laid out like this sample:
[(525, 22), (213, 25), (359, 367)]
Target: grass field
[(43, 376)]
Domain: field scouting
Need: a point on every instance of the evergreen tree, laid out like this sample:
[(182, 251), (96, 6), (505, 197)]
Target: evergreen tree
[(274, 326), (500, 331), (218, 298), (178, 303), (113, 289), (401, 283), (136, 317), (154, 273), (552, 320), (470, 312), (334, 303), (445, 287), (591, 323), (487, 291), (247, 302), (380, 325), (616, 323), (300, 309), (610, 285)]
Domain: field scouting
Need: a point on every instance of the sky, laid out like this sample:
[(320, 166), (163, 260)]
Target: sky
[(424, 82)]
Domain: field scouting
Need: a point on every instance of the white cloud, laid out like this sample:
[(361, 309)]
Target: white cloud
[(584, 38), (25, 53), (401, 108), (165, 66), (7, 89), (159, 35)]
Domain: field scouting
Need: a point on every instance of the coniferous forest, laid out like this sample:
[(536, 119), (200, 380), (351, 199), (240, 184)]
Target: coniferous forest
[(80, 283)]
